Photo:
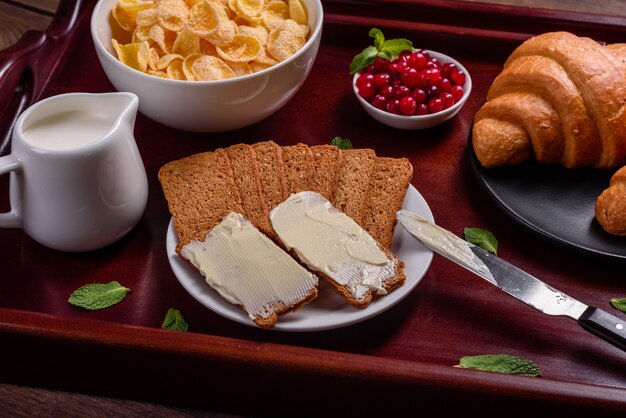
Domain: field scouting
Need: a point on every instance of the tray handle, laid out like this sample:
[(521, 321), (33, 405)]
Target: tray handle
[(26, 66)]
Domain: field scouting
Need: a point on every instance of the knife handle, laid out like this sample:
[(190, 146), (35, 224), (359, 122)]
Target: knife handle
[(605, 326)]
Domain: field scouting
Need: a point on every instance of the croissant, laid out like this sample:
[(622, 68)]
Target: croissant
[(610, 206), (560, 99)]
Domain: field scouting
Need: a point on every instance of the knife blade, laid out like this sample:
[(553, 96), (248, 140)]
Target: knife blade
[(513, 280)]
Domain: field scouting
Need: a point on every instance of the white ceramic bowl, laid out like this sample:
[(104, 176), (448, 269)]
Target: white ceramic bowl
[(209, 106), (423, 121)]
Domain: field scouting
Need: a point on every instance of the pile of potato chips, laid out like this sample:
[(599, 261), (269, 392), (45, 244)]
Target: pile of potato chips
[(208, 39)]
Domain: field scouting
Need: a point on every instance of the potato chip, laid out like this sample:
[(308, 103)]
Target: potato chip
[(265, 59), (135, 55), (207, 48), (258, 66), (186, 43), (285, 39), (240, 68), (175, 70), (259, 32), (249, 10), (141, 33), (187, 62), (157, 73), (297, 13), (153, 58), (206, 68), (172, 14), (205, 18), (165, 39), (243, 48), (124, 18), (147, 17), (224, 34), (276, 11), (165, 61), (135, 5)]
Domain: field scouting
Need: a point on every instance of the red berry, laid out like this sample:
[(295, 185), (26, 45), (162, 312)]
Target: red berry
[(419, 95), (380, 65), (422, 109), (393, 106), (447, 99), (434, 62), (401, 91), (381, 80), (392, 68), (446, 69), (410, 77), (387, 91), (416, 60), (458, 76), (443, 84), (424, 53), (364, 78), (457, 92), (401, 66), (408, 105), (431, 91), (404, 55), (367, 90), (435, 105), (380, 102)]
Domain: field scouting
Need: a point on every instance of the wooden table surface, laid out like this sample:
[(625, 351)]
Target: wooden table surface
[(19, 16)]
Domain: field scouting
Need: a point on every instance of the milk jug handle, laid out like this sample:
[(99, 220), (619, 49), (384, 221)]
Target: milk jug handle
[(12, 219)]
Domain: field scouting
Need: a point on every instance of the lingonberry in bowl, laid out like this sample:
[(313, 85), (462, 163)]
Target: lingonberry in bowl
[(418, 89)]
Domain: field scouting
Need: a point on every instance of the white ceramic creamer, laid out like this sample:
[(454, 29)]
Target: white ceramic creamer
[(77, 182)]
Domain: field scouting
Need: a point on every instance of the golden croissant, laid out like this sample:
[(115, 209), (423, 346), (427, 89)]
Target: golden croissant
[(610, 206), (560, 99)]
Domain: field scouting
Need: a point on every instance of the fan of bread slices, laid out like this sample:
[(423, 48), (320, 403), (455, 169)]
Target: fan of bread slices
[(561, 99), (234, 210)]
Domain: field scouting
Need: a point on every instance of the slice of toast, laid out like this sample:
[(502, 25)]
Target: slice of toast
[(299, 165), (249, 270), (354, 175), (269, 156), (336, 248), (388, 184), (200, 191), (248, 181), (327, 160)]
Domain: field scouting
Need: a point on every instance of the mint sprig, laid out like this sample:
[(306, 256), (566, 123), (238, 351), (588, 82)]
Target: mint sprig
[(383, 48), (500, 363), (96, 296), (341, 143), (619, 304), (482, 238), (174, 320)]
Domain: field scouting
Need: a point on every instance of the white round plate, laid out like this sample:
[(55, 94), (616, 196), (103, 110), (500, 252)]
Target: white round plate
[(329, 310)]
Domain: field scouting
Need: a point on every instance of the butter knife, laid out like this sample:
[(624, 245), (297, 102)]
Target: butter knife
[(513, 280)]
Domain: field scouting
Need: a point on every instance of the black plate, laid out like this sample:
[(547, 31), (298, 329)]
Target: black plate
[(556, 202)]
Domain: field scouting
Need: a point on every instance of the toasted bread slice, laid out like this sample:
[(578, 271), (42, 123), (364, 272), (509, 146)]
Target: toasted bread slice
[(336, 248), (200, 191), (388, 184), (269, 156), (248, 181), (327, 160), (299, 167), (354, 175)]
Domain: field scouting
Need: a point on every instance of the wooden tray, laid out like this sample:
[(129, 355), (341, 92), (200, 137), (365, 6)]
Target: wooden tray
[(401, 361)]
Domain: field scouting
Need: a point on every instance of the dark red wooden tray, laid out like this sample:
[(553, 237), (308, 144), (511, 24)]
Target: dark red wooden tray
[(399, 362)]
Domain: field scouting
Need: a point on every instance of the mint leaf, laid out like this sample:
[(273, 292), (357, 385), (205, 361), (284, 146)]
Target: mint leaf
[(393, 47), (383, 48), (500, 363), (362, 60), (619, 303), (174, 320), (98, 295), (379, 38), (482, 238), (341, 143)]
